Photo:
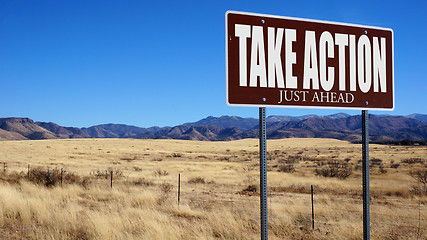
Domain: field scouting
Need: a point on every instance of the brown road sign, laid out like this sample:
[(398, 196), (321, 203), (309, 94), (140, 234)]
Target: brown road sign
[(275, 61)]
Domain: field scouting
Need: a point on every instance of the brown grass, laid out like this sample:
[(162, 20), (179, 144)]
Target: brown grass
[(219, 184)]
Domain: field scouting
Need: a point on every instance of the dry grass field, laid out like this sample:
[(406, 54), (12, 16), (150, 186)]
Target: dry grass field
[(219, 189)]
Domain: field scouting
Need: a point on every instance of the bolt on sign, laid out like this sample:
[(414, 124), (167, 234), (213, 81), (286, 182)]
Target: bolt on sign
[(275, 61)]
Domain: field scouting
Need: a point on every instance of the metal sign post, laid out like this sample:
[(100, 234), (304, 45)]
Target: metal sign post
[(365, 174), (263, 172)]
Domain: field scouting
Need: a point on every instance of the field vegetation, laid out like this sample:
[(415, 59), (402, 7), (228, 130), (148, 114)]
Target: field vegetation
[(61, 189)]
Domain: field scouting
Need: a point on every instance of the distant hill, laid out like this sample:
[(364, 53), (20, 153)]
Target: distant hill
[(117, 131), (338, 126), (349, 128), (63, 132), (7, 135), (275, 118), (23, 128), (121, 130), (227, 122), (421, 117)]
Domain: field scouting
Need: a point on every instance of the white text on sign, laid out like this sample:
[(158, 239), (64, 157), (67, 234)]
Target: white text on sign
[(367, 55)]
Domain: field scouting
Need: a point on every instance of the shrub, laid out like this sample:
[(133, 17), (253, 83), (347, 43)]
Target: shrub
[(335, 168), (116, 172), (382, 170), (42, 177), (375, 161), (70, 178), (287, 168), (142, 182), (413, 161), (85, 182), (165, 189), (137, 169), (196, 180), (294, 159), (419, 175), (251, 188), (100, 173), (419, 190), (303, 221), (160, 173), (394, 165), (49, 177), (12, 177), (129, 158), (106, 173)]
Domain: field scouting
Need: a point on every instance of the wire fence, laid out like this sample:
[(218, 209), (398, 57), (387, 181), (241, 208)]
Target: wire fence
[(409, 214)]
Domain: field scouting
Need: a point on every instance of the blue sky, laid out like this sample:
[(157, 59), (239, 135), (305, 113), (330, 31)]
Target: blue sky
[(162, 63)]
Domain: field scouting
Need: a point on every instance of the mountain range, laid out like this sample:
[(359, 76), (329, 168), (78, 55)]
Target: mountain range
[(382, 128)]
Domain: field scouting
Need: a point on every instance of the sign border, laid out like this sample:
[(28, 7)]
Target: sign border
[(306, 20)]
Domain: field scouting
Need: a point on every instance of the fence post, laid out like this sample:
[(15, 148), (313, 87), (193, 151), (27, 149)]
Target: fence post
[(312, 207), (419, 219), (179, 188), (28, 173), (61, 176), (111, 183), (4, 167)]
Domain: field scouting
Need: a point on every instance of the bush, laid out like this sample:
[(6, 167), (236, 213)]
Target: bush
[(160, 173), (375, 161), (106, 173), (287, 168), (142, 182), (42, 177), (100, 173), (303, 221), (129, 158), (12, 177), (251, 188), (413, 161), (137, 169), (165, 189), (294, 159), (197, 180), (419, 190), (394, 165), (71, 178), (335, 168), (419, 175), (382, 170), (116, 172), (49, 177)]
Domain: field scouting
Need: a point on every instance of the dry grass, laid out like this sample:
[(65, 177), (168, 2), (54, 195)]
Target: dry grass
[(143, 201)]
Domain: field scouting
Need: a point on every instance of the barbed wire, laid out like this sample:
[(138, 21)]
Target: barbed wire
[(7, 166)]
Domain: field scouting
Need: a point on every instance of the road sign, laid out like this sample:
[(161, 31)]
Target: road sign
[(275, 61)]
